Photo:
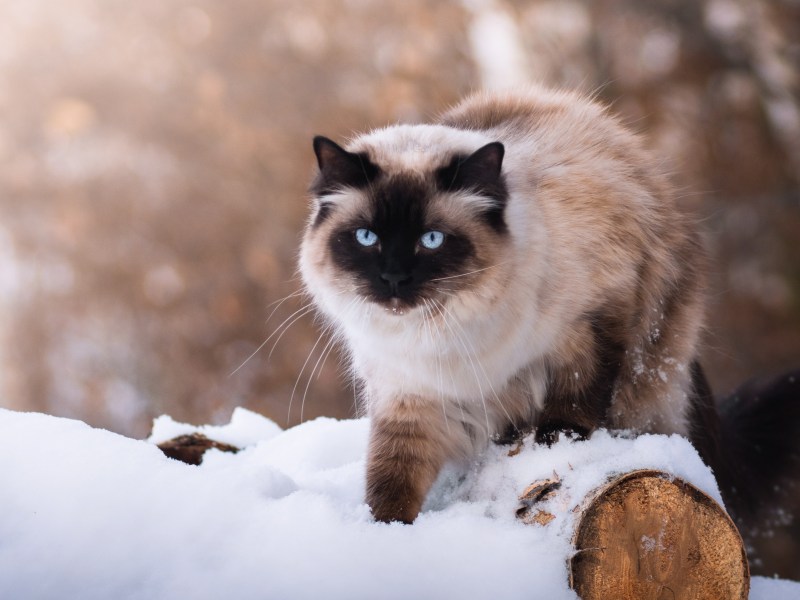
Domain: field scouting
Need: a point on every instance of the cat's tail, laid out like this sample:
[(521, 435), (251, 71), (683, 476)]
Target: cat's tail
[(751, 440)]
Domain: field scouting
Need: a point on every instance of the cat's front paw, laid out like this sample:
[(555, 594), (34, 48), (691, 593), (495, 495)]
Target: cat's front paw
[(511, 434), (397, 509), (548, 432)]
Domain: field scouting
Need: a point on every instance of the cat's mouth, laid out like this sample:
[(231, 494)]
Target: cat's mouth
[(396, 306), (401, 306), (403, 301)]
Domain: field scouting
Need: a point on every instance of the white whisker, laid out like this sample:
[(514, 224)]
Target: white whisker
[(469, 272), (438, 363), (460, 405), (474, 370), (488, 380), (280, 301), (311, 376), (300, 374), (304, 310), (285, 329)]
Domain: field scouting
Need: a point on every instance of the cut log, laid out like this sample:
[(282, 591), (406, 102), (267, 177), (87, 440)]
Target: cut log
[(648, 535), (191, 447)]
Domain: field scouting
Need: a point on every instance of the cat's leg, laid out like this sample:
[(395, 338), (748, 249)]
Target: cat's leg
[(409, 443), (579, 414), (516, 407), (580, 392)]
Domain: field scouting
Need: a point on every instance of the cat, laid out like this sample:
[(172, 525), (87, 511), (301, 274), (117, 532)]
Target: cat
[(521, 262)]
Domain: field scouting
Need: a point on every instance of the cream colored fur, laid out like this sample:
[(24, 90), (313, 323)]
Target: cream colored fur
[(592, 225)]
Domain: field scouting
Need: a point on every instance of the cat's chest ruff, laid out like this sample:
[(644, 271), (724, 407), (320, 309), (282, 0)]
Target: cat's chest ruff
[(458, 359)]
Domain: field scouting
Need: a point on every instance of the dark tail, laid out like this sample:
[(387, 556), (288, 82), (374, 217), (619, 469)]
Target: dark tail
[(751, 440)]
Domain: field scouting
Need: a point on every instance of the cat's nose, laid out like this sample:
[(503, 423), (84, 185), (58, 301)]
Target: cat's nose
[(396, 279)]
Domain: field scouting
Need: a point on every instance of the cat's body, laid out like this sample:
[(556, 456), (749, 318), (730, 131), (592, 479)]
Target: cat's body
[(519, 263)]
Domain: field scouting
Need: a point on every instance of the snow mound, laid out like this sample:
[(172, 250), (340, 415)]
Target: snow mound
[(88, 514)]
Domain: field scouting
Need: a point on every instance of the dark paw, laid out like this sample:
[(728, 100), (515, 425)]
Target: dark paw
[(389, 516), (549, 432), (510, 435), (390, 508)]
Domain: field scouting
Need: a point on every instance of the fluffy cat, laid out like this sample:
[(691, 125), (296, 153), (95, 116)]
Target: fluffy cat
[(519, 263)]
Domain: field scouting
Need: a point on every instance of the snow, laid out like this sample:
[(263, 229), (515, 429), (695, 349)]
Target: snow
[(85, 513)]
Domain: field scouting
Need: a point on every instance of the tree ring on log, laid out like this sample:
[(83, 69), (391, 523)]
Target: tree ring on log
[(650, 535)]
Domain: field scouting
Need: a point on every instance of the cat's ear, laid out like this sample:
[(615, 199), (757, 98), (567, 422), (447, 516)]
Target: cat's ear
[(339, 168), (484, 165), (481, 171)]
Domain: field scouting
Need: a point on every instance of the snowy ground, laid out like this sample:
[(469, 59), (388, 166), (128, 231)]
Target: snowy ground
[(87, 514)]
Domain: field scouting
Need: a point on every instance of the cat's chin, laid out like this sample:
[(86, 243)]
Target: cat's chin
[(396, 306), (399, 306)]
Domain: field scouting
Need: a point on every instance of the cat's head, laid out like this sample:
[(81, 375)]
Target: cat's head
[(409, 216)]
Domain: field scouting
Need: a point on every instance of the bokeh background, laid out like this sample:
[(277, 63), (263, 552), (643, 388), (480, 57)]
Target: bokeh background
[(154, 158)]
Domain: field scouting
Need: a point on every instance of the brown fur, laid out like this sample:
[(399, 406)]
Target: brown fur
[(405, 456)]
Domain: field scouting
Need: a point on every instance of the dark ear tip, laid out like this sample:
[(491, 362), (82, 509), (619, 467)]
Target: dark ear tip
[(497, 147), (325, 149), (491, 155), (319, 141)]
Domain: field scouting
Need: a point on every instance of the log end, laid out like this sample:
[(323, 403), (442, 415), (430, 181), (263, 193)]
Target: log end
[(648, 535)]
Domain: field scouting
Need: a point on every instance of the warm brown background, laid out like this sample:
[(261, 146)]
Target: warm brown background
[(154, 157)]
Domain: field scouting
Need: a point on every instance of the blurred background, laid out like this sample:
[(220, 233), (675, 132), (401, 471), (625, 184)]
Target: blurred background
[(154, 158)]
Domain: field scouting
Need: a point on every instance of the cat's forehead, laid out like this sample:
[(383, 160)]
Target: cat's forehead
[(416, 148)]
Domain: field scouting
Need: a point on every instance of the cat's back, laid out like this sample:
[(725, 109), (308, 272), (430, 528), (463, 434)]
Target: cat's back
[(532, 109), (557, 127), (582, 165), (518, 108)]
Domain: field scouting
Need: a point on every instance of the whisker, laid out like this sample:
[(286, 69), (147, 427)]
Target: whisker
[(319, 374), (286, 328), (300, 374), (488, 380), (438, 363), (304, 310), (469, 272), (474, 370), (326, 350), (450, 371), (355, 391), (280, 301), (311, 376)]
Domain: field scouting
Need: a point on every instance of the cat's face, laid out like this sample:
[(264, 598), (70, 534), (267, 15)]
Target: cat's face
[(402, 238)]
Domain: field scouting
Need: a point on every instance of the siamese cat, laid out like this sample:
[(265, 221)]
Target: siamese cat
[(519, 263)]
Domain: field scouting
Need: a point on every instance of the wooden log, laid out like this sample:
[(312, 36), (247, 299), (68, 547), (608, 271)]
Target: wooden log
[(191, 447), (647, 535)]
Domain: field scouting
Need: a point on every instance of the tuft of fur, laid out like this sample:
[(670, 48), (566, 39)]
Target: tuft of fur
[(568, 294)]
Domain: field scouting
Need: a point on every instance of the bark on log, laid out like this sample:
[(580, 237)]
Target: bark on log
[(648, 535)]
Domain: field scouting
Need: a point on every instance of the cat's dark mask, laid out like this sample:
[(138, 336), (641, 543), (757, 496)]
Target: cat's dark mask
[(404, 247)]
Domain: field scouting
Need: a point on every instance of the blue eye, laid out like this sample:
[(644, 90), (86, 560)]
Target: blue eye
[(365, 237), (432, 239)]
